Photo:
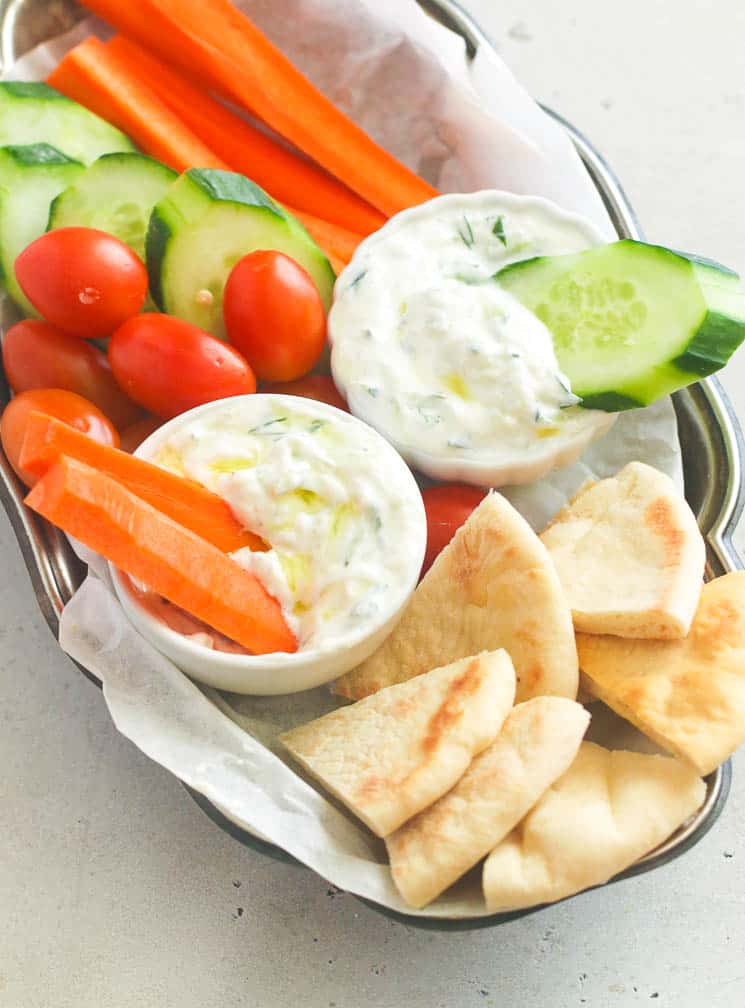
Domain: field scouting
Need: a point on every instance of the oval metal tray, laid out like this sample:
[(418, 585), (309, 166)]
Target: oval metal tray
[(710, 436)]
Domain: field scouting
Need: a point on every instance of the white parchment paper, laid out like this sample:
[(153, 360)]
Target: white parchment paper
[(463, 126)]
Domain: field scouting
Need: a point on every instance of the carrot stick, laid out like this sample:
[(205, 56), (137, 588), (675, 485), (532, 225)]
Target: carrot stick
[(186, 502), (289, 177), (337, 243), (217, 44), (98, 79), (168, 558), (163, 137)]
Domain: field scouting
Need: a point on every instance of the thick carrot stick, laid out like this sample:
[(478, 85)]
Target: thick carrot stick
[(337, 243), (186, 502), (289, 177), (104, 88), (154, 549), (98, 79), (217, 44)]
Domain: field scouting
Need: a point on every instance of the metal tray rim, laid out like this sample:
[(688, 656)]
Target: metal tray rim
[(55, 571)]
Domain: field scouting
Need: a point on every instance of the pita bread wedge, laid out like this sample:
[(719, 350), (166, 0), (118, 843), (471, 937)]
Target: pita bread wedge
[(608, 810), (537, 743), (493, 586), (688, 696), (629, 555), (391, 755)]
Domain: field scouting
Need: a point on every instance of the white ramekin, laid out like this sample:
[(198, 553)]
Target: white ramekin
[(483, 470), (279, 673)]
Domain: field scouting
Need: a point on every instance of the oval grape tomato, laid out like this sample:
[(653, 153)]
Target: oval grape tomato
[(169, 366), (37, 355), (82, 280), (318, 387), (274, 315), (66, 406), (133, 436), (447, 507)]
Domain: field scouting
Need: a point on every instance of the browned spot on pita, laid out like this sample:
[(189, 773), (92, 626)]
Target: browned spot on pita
[(716, 627), (370, 787), (442, 721), (660, 519), (531, 676), (451, 708)]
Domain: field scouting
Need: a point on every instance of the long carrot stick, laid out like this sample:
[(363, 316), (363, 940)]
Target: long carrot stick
[(168, 558), (98, 79), (338, 244), (215, 43), (289, 177), (163, 136), (186, 502)]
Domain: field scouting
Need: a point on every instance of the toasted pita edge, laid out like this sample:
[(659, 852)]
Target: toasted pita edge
[(560, 678), (421, 883), (551, 891), (671, 617), (442, 765)]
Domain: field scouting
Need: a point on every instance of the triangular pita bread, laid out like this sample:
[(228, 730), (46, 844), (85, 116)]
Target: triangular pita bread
[(537, 743), (687, 695), (391, 755), (493, 586), (629, 555), (608, 810)]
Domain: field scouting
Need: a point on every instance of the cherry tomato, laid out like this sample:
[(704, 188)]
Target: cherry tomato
[(37, 355), (318, 387), (63, 405), (274, 315), (169, 366), (447, 508), (133, 436), (84, 281)]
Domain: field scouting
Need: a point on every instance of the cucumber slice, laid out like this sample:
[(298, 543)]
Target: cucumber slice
[(31, 112), (116, 194), (632, 322), (30, 177), (208, 220)]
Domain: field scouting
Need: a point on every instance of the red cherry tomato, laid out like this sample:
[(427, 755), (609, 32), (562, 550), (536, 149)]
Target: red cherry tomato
[(169, 366), (447, 507), (84, 281), (318, 387), (274, 315), (37, 355), (133, 436), (63, 405)]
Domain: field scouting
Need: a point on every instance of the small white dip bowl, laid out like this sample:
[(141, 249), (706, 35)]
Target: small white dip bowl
[(280, 672), (407, 309)]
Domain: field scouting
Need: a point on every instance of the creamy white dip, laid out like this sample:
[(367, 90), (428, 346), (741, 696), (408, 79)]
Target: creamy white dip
[(339, 509), (447, 365)]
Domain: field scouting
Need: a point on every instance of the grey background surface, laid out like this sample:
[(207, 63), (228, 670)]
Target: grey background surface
[(117, 891)]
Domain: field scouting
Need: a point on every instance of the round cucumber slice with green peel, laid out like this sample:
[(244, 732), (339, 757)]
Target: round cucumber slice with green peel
[(30, 177), (115, 194), (632, 322), (31, 112), (207, 221)]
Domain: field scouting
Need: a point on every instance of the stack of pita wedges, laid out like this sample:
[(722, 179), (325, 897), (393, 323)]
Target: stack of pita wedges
[(465, 740)]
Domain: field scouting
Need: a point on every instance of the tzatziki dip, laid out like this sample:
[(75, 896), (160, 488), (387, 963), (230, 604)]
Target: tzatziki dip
[(338, 509), (449, 367)]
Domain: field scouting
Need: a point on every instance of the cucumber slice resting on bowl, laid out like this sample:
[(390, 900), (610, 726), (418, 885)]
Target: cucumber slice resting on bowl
[(632, 322)]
